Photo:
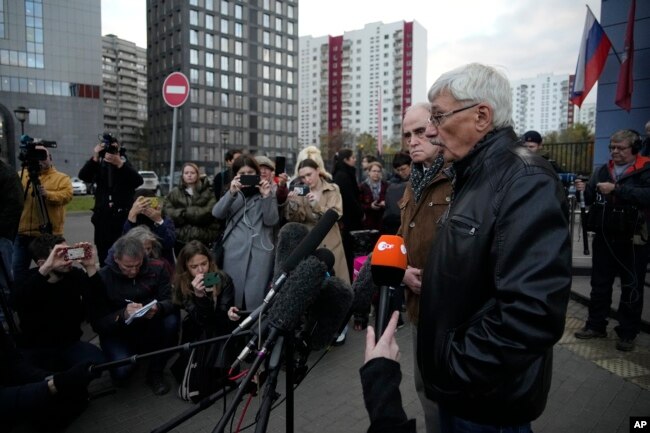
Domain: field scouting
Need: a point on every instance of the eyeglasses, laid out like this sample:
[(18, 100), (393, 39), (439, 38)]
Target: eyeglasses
[(437, 119), (619, 148)]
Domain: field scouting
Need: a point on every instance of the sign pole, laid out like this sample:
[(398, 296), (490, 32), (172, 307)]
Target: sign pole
[(172, 161), (176, 89)]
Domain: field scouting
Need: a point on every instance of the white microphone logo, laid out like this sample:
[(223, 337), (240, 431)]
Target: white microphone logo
[(383, 246)]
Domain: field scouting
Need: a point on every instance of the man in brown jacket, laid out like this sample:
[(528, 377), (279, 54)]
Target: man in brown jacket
[(425, 200)]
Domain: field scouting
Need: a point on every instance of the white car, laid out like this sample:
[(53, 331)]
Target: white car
[(78, 187), (151, 181)]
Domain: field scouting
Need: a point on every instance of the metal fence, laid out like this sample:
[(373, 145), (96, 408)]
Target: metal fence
[(575, 157)]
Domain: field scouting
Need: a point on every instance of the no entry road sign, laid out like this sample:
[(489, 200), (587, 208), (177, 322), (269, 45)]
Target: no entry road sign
[(176, 89)]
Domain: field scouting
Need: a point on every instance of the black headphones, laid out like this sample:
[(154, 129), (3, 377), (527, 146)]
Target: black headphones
[(637, 143)]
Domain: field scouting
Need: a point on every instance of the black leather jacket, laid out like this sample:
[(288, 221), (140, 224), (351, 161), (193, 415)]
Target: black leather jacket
[(496, 286)]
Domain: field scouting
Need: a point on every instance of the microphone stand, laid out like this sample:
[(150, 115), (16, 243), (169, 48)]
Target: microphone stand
[(199, 407), (135, 358), (270, 394), (583, 223), (243, 387)]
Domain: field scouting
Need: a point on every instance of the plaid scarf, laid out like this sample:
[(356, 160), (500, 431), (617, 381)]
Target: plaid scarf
[(420, 179)]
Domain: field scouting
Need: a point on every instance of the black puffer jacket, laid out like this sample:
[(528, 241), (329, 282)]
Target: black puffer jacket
[(496, 286)]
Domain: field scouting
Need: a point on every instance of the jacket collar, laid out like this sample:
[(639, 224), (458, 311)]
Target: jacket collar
[(640, 163), (480, 151)]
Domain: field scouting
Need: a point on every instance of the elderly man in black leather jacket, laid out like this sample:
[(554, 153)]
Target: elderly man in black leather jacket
[(497, 281)]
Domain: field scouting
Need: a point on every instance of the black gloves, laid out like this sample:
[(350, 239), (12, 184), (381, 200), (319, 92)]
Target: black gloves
[(74, 382)]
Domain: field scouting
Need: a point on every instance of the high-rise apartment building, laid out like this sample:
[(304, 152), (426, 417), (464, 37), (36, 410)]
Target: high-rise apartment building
[(124, 73), (541, 103), (361, 82), (586, 115), (241, 60), (50, 63)]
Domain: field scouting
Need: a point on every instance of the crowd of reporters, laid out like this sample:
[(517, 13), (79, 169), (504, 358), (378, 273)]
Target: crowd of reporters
[(156, 253)]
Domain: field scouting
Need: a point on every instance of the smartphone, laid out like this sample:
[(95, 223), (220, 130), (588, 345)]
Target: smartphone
[(210, 279), (154, 202), (280, 163), (249, 179), (301, 189), (76, 253)]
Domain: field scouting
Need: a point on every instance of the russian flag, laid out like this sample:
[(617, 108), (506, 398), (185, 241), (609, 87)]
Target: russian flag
[(591, 59)]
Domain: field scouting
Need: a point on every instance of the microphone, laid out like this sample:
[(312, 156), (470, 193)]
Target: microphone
[(304, 248), (289, 236), (302, 287), (328, 313), (327, 257), (388, 264), (363, 288)]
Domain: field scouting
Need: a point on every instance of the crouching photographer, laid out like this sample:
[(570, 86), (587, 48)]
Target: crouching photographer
[(619, 197), (116, 182)]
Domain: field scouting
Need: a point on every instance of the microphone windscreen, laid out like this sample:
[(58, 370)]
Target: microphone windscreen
[(363, 288), (388, 261), (328, 312), (325, 256), (298, 293), (312, 241), (289, 236)]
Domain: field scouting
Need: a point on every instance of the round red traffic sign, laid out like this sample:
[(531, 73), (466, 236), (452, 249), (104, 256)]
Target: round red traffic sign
[(176, 89)]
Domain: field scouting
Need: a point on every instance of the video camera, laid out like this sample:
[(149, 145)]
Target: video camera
[(29, 154), (110, 145)]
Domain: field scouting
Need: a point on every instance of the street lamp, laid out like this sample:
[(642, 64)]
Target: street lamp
[(21, 114)]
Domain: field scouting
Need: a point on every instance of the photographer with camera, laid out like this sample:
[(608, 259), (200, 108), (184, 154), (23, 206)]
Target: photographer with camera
[(116, 182), (619, 195), (50, 307), (47, 192)]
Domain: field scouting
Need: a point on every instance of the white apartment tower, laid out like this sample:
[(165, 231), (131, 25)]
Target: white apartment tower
[(342, 77), (541, 103), (124, 76)]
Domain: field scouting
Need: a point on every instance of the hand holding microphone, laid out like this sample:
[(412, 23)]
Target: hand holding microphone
[(388, 264)]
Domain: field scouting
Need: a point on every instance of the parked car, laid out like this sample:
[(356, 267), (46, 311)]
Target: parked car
[(78, 187), (151, 181)]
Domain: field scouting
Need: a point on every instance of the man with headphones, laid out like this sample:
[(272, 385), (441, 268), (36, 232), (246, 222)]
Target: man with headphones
[(620, 190)]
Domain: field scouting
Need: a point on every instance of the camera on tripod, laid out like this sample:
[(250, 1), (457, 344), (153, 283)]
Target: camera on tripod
[(110, 145), (29, 154)]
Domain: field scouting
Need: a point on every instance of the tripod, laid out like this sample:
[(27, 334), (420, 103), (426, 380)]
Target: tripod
[(33, 169)]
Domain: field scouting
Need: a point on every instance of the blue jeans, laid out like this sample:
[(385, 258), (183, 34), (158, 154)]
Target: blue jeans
[(453, 424), (60, 358), (141, 336)]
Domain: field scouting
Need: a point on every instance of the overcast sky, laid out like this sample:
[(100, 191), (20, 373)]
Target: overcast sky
[(523, 38)]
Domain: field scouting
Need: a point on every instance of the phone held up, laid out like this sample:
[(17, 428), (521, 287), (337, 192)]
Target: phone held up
[(82, 252), (301, 189), (210, 279), (249, 179)]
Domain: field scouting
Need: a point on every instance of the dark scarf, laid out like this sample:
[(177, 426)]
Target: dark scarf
[(420, 179)]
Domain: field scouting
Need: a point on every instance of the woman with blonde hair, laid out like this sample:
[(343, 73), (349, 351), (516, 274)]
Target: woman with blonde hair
[(313, 153)]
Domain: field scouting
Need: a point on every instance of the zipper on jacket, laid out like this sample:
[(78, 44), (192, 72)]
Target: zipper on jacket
[(466, 223)]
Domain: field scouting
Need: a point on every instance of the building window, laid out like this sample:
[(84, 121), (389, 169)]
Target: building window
[(224, 81), (278, 24), (224, 45), (278, 41), (209, 41), (209, 78), (194, 75), (224, 25), (290, 11), (224, 7), (209, 5), (209, 22), (194, 57), (194, 37), (239, 48), (266, 20), (239, 84), (239, 66), (266, 38), (209, 60), (36, 116), (194, 18), (239, 30), (278, 7), (238, 12), (224, 63)]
